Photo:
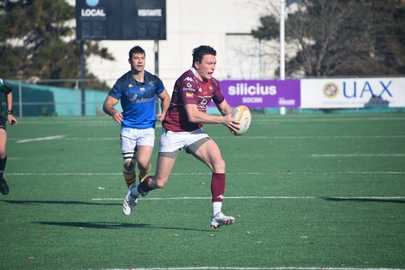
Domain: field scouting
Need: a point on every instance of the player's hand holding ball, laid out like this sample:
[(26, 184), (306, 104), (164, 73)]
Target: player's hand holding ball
[(241, 115), (232, 125)]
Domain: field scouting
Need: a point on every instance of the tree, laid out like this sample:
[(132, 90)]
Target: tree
[(388, 19), (339, 37), (37, 41)]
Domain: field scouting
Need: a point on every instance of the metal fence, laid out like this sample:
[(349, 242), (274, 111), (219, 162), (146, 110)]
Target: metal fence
[(41, 99)]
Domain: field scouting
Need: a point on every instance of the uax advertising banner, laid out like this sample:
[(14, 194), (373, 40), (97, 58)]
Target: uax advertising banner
[(353, 93)]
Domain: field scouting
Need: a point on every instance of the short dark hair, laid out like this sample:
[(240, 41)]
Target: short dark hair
[(199, 52), (136, 49)]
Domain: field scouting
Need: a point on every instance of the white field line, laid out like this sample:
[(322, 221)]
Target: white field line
[(65, 138), (357, 155), (190, 198), (255, 268), (247, 137), (326, 119), (68, 122), (208, 173), (255, 118), (347, 173), (116, 138), (115, 173), (38, 139)]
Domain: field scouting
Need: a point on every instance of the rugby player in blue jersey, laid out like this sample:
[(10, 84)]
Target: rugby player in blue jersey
[(10, 118), (137, 91)]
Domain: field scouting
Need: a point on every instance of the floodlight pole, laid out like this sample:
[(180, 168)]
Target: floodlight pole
[(156, 51), (283, 110), (81, 79), (282, 39)]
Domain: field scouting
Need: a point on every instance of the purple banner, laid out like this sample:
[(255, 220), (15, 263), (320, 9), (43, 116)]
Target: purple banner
[(262, 93)]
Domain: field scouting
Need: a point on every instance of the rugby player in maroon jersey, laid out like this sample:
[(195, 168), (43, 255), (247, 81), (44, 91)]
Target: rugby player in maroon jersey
[(183, 129)]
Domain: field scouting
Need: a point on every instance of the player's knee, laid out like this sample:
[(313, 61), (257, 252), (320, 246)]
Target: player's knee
[(129, 166), (2, 152), (219, 165), (143, 164)]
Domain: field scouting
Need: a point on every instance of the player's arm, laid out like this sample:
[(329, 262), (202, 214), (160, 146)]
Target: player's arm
[(225, 108), (108, 108), (164, 104), (196, 116), (188, 89), (9, 99)]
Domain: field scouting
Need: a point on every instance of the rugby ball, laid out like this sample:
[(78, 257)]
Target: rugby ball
[(242, 115)]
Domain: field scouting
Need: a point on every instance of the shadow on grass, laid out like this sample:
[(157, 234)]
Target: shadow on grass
[(59, 202), (361, 199), (113, 225)]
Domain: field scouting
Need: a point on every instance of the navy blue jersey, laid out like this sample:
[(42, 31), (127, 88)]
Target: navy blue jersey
[(4, 89), (137, 99)]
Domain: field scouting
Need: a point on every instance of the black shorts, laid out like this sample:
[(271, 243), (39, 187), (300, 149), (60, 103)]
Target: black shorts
[(3, 122)]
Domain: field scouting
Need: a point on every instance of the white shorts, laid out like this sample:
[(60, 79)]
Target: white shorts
[(172, 141), (132, 137)]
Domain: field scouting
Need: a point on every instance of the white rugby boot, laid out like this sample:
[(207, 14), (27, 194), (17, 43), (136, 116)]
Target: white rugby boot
[(221, 219), (129, 203)]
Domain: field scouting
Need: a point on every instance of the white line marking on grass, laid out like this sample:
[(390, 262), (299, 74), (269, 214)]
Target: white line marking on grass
[(187, 198), (90, 139), (54, 122), (328, 119), (367, 198), (56, 137), (357, 155), (208, 173), (115, 174), (63, 174), (348, 173), (116, 138), (248, 137), (255, 268)]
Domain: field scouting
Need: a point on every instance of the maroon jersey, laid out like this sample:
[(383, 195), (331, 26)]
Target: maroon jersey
[(189, 89)]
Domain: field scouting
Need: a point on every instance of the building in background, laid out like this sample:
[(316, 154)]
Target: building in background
[(225, 25)]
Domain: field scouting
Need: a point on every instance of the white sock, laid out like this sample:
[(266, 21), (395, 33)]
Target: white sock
[(216, 208)]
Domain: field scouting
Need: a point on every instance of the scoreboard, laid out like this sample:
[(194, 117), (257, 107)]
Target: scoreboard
[(120, 19)]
